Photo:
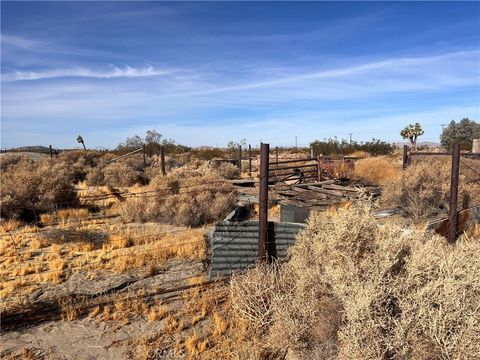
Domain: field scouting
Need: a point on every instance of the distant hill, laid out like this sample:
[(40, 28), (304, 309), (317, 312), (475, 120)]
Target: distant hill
[(420, 143), (34, 149)]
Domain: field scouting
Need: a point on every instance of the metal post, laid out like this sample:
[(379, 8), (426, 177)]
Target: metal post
[(249, 160), (144, 157), (276, 153), (162, 160), (240, 158), (263, 203), (452, 216), (51, 151), (405, 156)]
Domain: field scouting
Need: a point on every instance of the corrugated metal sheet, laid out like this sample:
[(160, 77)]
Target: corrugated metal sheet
[(234, 245)]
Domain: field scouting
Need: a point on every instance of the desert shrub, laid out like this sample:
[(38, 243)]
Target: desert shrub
[(360, 154), (353, 289), (10, 159), (121, 174), (81, 162), (377, 170), (207, 153), (424, 187), (227, 171), (95, 176), (184, 197), (29, 188)]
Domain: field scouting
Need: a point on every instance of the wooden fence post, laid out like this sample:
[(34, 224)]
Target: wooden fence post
[(319, 169), (240, 158), (162, 160), (144, 157), (51, 151), (249, 160), (405, 157)]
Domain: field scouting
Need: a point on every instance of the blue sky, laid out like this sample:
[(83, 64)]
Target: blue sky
[(205, 73)]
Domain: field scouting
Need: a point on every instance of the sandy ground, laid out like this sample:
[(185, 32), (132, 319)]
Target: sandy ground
[(93, 338)]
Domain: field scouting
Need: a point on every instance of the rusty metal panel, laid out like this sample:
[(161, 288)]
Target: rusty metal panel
[(465, 218)]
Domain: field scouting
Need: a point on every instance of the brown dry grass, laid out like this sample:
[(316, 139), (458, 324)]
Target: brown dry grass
[(423, 189), (356, 290), (183, 197), (380, 170), (31, 187), (360, 154)]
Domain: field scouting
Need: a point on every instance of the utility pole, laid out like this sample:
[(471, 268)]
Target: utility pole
[(296, 142), (350, 138)]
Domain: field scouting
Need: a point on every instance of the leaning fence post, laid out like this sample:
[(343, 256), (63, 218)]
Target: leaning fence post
[(162, 160), (263, 203), (405, 157), (249, 160), (452, 216)]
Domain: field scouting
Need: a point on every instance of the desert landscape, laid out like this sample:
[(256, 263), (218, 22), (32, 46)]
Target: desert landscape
[(239, 180), (116, 256)]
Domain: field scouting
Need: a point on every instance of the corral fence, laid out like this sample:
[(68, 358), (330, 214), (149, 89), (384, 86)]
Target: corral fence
[(454, 224), (300, 170), (238, 245)]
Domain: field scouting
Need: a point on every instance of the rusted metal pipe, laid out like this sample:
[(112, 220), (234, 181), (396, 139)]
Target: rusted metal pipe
[(452, 216), (263, 203), (292, 167), (290, 161)]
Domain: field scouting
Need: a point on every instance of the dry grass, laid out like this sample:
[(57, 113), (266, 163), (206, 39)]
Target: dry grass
[(338, 169), (72, 216), (360, 154), (32, 187), (424, 187), (184, 197), (10, 225), (356, 290), (380, 170)]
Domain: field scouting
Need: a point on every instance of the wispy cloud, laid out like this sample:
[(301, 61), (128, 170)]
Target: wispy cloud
[(401, 67), (113, 72)]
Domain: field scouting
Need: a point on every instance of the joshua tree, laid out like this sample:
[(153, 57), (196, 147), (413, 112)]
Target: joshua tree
[(412, 132), (80, 141)]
